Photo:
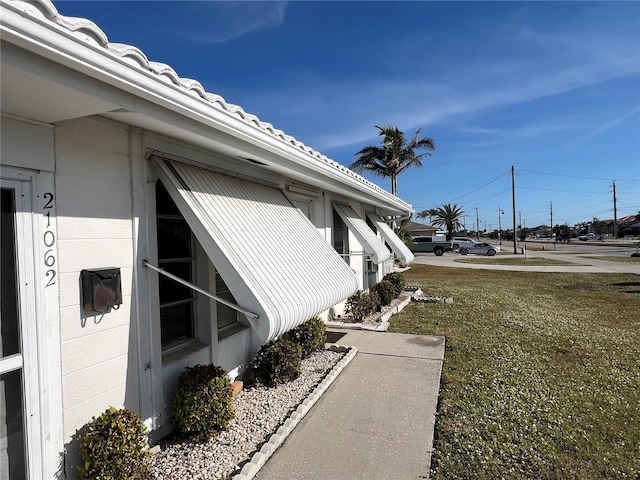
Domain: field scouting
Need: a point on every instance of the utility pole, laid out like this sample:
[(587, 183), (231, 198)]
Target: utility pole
[(615, 213), (500, 213), (551, 210), (513, 199), (520, 220), (477, 225)]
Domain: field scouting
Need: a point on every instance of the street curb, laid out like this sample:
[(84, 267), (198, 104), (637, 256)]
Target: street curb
[(258, 459)]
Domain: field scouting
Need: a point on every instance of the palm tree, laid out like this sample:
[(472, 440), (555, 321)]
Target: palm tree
[(394, 156), (429, 213), (449, 216)]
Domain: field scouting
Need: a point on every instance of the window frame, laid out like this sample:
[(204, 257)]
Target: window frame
[(239, 323), (174, 349), (339, 224)]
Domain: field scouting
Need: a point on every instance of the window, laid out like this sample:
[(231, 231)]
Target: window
[(270, 256), (227, 317), (340, 236), (371, 225), (176, 256), (303, 206)]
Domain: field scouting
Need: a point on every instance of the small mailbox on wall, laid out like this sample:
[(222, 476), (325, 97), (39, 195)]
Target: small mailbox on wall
[(101, 289)]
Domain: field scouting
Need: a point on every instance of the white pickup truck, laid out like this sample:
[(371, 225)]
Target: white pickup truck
[(437, 244)]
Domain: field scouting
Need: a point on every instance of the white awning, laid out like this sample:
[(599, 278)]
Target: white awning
[(270, 255), (397, 245), (373, 246)]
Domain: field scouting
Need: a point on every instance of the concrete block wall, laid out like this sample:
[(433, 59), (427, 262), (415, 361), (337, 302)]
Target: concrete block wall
[(94, 214)]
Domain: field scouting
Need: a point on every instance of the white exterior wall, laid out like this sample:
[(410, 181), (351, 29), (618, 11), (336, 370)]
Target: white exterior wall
[(357, 261), (101, 220), (98, 352)]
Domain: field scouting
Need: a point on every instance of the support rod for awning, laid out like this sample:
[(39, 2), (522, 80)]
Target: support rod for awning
[(249, 314)]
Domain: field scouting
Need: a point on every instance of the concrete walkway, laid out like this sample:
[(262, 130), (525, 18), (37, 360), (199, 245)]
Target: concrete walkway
[(376, 421), (580, 263)]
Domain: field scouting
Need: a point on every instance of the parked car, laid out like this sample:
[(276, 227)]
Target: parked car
[(462, 241), (479, 249), (592, 236)]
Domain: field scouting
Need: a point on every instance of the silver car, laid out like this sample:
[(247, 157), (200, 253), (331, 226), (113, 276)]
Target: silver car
[(479, 249)]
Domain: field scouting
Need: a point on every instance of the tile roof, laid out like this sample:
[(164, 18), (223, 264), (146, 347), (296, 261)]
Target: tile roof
[(89, 32)]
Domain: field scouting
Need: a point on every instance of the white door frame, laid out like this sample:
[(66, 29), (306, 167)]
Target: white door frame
[(36, 245)]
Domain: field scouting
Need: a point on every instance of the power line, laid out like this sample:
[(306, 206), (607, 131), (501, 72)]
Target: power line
[(555, 190), (567, 176), (481, 186)]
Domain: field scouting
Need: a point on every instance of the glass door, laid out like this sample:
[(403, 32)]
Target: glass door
[(17, 417)]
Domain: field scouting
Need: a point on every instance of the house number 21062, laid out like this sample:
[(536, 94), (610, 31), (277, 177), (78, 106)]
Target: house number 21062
[(49, 240)]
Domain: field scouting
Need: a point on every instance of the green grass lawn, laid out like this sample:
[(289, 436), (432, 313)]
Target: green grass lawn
[(541, 378)]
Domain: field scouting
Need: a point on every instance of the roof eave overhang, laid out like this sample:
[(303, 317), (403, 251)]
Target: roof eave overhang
[(189, 115)]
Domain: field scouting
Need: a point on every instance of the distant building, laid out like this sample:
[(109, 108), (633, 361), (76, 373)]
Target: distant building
[(416, 229)]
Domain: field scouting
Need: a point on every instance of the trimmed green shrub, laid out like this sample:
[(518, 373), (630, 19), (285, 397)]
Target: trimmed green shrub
[(360, 305), (311, 336), (279, 361), (405, 236), (384, 291), (203, 402), (115, 446), (397, 280)]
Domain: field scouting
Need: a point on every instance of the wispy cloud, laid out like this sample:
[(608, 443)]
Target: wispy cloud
[(223, 21), (531, 130), (612, 123), (460, 93), (520, 61)]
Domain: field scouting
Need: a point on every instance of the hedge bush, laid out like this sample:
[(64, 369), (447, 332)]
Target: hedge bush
[(384, 291), (360, 305), (311, 336), (203, 400), (278, 361), (397, 280), (115, 447)]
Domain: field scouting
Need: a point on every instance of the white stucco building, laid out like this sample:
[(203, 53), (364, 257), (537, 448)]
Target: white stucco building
[(112, 161)]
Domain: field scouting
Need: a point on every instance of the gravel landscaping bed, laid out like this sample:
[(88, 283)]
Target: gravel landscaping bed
[(259, 413)]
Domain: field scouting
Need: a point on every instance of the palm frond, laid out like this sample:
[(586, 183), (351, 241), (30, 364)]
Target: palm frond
[(395, 155)]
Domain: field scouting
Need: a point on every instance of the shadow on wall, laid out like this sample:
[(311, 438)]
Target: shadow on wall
[(70, 459)]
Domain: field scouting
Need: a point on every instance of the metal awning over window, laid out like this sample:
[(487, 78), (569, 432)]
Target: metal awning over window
[(397, 245), (373, 246), (270, 255)]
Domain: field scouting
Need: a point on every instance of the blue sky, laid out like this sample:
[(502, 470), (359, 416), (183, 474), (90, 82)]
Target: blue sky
[(551, 88)]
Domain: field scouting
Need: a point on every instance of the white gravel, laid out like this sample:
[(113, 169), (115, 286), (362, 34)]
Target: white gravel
[(259, 413)]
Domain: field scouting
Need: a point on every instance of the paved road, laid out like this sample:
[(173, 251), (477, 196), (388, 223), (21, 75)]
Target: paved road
[(592, 248), (578, 263)]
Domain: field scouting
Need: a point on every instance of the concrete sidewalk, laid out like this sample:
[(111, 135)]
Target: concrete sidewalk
[(376, 421)]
